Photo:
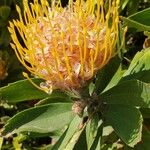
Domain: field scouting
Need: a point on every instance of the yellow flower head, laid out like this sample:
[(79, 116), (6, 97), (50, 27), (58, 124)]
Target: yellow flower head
[(65, 46)]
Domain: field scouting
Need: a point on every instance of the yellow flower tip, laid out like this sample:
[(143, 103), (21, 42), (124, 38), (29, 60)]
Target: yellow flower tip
[(43, 86), (65, 46), (13, 46), (18, 9)]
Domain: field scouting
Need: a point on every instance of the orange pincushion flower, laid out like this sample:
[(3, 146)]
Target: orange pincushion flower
[(65, 46)]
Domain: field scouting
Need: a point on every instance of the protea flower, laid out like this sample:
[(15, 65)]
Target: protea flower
[(65, 46)]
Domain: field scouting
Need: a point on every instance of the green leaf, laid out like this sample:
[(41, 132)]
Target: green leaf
[(142, 16), (144, 144), (126, 121), (73, 140), (115, 79), (91, 88), (21, 91), (139, 20), (145, 112), (104, 76), (139, 67), (110, 138), (42, 119), (132, 7), (56, 96), (131, 93), (90, 138), (69, 137), (123, 4), (5, 12), (91, 130), (98, 139), (81, 143)]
